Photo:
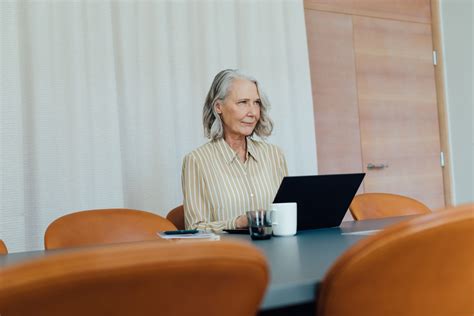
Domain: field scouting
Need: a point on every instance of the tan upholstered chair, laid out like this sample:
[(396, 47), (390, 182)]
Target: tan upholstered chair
[(104, 226), (146, 278), (377, 205), (423, 266), (176, 216), (3, 248)]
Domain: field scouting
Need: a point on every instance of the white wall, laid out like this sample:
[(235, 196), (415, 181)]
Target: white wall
[(457, 37)]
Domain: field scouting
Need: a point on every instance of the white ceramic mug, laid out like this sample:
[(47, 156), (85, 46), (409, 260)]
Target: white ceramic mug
[(284, 219)]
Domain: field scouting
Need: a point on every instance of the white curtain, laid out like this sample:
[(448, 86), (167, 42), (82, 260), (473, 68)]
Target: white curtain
[(100, 100)]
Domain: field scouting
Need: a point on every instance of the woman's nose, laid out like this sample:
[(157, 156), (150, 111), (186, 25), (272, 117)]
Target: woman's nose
[(252, 109)]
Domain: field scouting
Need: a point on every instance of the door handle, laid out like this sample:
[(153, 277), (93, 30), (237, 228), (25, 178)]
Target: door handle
[(372, 166)]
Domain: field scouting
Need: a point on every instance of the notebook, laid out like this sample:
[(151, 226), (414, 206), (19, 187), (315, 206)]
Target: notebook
[(199, 235), (322, 200)]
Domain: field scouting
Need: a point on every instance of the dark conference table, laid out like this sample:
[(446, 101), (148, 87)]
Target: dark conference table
[(297, 263)]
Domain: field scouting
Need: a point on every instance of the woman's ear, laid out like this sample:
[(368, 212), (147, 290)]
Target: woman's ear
[(218, 107)]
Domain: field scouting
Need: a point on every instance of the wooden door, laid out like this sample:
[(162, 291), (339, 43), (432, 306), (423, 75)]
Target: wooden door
[(397, 108), (375, 102), (333, 80)]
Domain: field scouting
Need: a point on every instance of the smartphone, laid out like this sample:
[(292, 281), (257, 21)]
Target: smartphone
[(180, 232)]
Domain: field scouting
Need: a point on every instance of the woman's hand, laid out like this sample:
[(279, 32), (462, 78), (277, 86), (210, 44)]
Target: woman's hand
[(241, 221)]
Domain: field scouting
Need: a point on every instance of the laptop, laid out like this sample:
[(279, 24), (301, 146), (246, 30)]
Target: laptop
[(322, 200)]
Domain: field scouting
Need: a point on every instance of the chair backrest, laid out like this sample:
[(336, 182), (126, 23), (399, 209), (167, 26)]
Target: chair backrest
[(377, 205), (3, 248), (423, 266), (105, 226), (146, 278), (176, 216)]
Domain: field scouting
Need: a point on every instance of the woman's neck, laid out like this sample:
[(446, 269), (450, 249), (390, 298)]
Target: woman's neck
[(238, 144)]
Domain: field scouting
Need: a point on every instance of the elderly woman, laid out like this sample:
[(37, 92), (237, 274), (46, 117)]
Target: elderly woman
[(232, 173)]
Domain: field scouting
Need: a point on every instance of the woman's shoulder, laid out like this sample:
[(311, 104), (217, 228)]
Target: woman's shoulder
[(204, 149), (261, 145)]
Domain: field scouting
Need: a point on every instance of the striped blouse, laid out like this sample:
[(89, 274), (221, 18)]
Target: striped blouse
[(218, 186)]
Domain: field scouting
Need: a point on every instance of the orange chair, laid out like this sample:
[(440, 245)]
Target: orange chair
[(423, 266), (3, 248), (145, 278), (104, 226), (377, 205), (176, 216)]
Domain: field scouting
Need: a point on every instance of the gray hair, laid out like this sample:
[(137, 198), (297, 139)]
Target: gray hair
[(213, 127)]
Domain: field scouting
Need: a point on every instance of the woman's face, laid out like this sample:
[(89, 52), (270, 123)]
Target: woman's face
[(240, 110)]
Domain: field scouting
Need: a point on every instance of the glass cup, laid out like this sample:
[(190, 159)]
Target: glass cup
[(260, 224)]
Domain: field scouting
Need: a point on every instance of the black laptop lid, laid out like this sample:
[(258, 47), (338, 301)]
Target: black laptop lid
[(322, 200)]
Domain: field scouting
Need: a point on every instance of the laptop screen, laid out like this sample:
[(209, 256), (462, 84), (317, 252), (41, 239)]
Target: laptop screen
[(322, 200)]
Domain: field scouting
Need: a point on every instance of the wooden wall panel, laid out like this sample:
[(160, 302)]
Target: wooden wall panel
[(404, 10), (398, 109), (333, 79)]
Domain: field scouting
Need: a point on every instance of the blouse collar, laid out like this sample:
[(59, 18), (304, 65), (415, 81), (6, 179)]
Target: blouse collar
[(230, 155)]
